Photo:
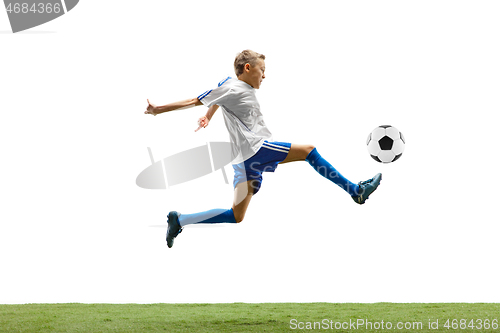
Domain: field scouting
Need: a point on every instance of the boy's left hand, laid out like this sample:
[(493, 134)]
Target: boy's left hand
[(151, 109)]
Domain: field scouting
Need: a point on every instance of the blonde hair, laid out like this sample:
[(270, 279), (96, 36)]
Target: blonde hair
[(246, 57)]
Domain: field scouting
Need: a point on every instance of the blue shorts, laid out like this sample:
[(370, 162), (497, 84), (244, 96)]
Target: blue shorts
[(265, 160)]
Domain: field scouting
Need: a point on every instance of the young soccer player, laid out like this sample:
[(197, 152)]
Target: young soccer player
[(253, 149)]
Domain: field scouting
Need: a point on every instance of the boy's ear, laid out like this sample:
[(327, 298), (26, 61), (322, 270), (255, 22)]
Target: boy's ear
[(247, 67)]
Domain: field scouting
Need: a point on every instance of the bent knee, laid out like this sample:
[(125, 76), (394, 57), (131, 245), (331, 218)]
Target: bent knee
[(239, 218), (307, 149)]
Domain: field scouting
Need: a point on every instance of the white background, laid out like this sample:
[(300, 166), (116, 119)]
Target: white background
[(76, 228)]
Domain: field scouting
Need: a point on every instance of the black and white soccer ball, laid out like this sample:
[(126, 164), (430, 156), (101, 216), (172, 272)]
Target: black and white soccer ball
[(385, 144)]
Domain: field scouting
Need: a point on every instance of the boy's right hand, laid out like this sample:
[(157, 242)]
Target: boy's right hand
[(202, 123)]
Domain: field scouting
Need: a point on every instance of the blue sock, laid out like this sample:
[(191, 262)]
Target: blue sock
[(328, 171), (210, 216)]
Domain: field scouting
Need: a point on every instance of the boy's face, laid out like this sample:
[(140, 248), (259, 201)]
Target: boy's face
[(255, 74)]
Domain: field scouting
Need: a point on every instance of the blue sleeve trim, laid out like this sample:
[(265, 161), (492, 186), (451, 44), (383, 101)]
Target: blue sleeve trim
[(224, 81), (205, 94)]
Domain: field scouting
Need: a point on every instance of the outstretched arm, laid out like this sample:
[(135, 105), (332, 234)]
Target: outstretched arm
[(204, 120), (187, 103)]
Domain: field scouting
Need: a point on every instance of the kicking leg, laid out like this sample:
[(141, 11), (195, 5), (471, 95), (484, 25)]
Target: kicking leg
[(297, 153), (308, 153), (329, 172)]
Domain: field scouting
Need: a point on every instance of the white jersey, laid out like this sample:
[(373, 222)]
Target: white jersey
[(244, 121)]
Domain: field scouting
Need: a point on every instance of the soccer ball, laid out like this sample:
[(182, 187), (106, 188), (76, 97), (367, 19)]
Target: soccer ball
[(385, 144)]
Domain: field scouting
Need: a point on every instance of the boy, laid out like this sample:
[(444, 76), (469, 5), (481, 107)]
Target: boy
[(253, 150)]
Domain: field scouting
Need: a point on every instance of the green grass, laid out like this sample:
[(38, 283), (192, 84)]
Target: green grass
[(238, 317)]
